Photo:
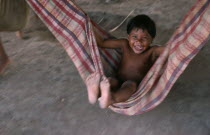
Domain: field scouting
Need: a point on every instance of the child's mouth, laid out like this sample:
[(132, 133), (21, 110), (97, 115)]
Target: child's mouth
[(138, 48)]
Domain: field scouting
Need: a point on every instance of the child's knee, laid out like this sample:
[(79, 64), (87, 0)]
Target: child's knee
[(114, 83)]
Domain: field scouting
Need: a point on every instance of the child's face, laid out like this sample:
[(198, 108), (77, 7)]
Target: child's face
[(139, 40)]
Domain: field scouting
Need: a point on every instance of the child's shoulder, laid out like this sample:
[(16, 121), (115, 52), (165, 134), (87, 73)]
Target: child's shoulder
[(157, 47), (124, 42), (156, 50)]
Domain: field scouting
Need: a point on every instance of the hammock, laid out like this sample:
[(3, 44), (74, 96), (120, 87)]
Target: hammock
[(74, 30)]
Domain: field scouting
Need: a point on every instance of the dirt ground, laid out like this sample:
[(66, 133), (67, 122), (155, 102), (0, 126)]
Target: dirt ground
[(41, 92)]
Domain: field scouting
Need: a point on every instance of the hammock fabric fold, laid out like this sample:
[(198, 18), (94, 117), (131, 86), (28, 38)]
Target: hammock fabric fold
[(74, 30)]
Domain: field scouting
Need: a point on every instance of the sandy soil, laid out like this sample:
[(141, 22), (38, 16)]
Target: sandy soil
[(41, 92)]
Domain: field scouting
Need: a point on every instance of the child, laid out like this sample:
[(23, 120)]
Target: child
[(137, 58)]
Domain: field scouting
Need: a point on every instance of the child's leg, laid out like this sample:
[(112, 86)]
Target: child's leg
[(4, 60), (125, 92), (114, 83)]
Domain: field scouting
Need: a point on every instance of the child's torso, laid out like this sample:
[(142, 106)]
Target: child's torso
[(134, 66)]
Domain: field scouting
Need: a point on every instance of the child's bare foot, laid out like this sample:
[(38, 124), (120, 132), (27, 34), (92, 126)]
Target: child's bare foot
[(92, 83), (105, 100), (3, 64)]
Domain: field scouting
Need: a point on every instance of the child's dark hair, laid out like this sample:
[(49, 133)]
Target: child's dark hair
[(144, 22)]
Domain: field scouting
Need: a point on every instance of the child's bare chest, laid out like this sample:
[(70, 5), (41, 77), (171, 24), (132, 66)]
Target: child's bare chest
[(134, 67)]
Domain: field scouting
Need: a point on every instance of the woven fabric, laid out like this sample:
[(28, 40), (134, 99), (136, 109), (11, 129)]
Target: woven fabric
[(74, 30)]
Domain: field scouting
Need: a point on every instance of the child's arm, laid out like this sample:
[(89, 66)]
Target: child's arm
[(110, 43), (157, 50)]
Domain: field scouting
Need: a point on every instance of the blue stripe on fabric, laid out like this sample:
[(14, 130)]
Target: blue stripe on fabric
[(74, 9), (192, 20), (107, 60), (182, 62), (68, 31), (173, 75), (177, 36)]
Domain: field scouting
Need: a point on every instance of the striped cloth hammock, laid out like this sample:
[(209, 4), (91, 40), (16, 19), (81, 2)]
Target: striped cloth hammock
[(74, 30)]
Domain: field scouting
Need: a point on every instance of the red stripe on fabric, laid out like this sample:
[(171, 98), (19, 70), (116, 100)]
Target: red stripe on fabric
[(186, 36), (188, 14), (92, 47), (184, 21), (107, 53), (95, 50), (179, 56), (60, 32), (110, 57), (69, 14), (153, 105), (179, 70), (189, 46), (100, 29)]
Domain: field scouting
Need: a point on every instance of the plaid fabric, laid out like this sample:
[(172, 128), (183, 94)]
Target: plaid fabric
[(74, 30)]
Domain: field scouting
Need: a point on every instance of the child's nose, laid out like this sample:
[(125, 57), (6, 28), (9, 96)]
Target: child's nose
[(138, 41)]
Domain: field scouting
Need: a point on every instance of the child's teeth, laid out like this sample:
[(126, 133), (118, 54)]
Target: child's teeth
[(139, 47)]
